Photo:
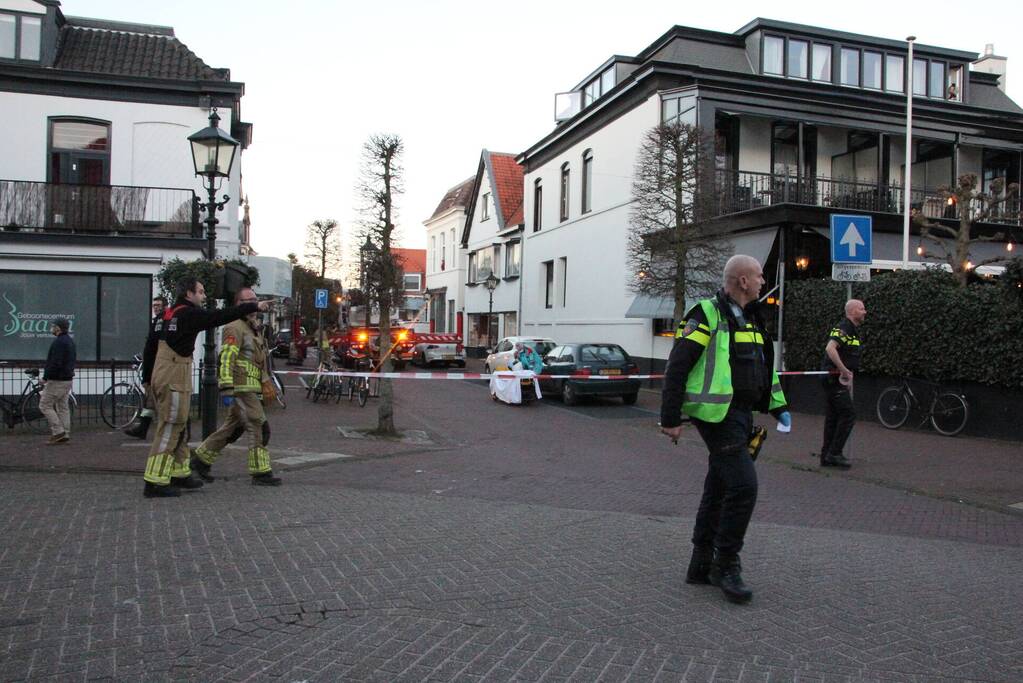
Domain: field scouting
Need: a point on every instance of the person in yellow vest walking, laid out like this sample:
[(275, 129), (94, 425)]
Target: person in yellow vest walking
[(167, 469), (720, 370), (242, 363)]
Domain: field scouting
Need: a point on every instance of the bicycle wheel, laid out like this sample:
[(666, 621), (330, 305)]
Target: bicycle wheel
[(353, 387), (120, 404), (893, 407), (278, 390), (32, 416), (948, 413)]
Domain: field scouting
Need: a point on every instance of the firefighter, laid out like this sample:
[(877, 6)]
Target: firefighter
[(721, 370), (167, 469), (139, 428), (241, 377)]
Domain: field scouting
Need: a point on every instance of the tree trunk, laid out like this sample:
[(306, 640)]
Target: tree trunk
[(385, 413)]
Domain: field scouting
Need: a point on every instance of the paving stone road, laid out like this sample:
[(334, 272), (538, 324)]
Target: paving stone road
[(530, 544)]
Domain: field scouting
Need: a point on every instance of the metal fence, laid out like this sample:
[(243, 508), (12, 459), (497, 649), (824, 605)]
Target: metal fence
[(91, 382)]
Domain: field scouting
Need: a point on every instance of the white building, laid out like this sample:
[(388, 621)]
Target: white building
[(97, 186), (445, 260), (492, 238), (807, 122)]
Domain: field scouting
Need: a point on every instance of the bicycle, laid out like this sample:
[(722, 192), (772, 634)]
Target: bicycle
[(947, 413), (122, 402), (25, 409), (275, 381), (363, 387)]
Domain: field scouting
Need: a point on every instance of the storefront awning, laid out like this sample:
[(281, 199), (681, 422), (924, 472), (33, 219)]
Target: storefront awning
[(646, 306)]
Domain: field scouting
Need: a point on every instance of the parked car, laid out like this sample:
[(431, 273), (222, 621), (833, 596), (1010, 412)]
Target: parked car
[(282, 344), (504, 352), (577, 362), (442, 349)]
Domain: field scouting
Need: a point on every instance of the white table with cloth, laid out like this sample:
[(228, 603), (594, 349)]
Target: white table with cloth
[(506, 385)]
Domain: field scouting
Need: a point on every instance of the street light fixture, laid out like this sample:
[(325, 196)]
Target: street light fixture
[(491, 284), (213, 153)]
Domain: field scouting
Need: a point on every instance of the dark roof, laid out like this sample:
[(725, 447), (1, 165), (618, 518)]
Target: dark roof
[(984, 92), (457, 196), (122, 49), (705, 55)]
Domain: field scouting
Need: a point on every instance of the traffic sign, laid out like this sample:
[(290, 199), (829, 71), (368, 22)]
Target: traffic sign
[(321, 298), (851, 239), (850, 272)]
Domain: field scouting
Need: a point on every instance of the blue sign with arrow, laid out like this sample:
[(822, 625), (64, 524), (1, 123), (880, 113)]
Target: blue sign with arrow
[(321, 298), (851, 239)]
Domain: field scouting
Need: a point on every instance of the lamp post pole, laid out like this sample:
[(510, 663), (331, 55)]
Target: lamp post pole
[(491, 284), (907, 186), (213, 153)]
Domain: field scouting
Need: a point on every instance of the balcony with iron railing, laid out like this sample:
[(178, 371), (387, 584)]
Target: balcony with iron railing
[(98, 210), (738, 191)]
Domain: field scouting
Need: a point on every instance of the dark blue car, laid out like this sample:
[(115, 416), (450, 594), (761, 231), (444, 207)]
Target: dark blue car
[(576, 364)]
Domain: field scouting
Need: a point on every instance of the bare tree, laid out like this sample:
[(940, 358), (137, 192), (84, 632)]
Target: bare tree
[(971, 206), (323, 245), (382, 180), (672, 252)]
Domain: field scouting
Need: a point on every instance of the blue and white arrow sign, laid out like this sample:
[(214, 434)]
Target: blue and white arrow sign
[(321, 298), (851, 239)]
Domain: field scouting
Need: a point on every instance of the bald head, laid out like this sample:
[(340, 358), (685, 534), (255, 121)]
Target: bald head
[(743, 278), (855, 311)]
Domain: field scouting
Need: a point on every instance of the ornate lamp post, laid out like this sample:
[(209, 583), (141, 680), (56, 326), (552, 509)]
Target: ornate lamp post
[(491, 284), (213, 153)]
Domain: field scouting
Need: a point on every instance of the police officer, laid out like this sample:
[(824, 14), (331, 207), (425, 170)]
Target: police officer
[(242, 373), (841, 353), (167, 469), (139, 428), (720, 370)]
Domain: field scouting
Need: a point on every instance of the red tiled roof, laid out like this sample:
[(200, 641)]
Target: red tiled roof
[(508, 179), (412, 260)]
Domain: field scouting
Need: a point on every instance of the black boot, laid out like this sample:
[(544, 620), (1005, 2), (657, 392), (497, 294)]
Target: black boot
[(187, 483), (726, 574), (155, 491), (266, 479), (837, 461), (699, 565), (139, 428), (201, 468)]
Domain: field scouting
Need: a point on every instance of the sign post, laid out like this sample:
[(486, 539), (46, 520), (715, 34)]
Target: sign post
[(321, 303)]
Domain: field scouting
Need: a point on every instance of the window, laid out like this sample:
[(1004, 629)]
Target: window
[(564, 191), (679, 109), (563, 273), (79, 152), (412, 282), (472, 267), (587, 189), (443, 251), (798, 54), (872, 70), (895, 72), (485, 208), (850, 67), (937, 80), (599, 86), (451, 316), (607, 80), (511, 324), (485, 263), (454, 250), (774, 55), (919, 76), (537, 205), (20, 37), (822, 63), (433, 253), (955, 84), (548, 276), (591, 92), (512, 259)]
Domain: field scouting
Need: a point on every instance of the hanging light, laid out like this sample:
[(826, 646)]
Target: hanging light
[(969, 265), (1008, 246), (802, 263)]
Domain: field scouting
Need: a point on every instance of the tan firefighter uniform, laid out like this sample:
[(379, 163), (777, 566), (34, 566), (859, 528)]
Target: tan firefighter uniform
[(242, 362)]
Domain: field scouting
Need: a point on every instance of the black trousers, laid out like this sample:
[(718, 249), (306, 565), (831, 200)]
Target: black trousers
[(839, 420), (730, 488)]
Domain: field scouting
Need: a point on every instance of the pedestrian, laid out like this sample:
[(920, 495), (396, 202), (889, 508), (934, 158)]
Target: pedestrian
[(57, 377), (719, 371), (167, 469), (841, 353), (241, 375), (139, 428), (528, 357)]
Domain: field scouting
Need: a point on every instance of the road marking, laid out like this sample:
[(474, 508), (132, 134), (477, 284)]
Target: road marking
[(1018, 506), (310, 457)]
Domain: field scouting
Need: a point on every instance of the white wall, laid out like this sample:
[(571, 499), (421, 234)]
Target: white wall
[(148, 146), (593, 243), (453, 275), (482, 235)]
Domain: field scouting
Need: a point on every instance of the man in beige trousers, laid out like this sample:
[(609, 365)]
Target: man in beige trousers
[(57, 377)]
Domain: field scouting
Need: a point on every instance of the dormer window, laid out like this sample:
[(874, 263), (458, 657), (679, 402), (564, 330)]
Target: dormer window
[(774, 55), (20, 37), (598, 87)]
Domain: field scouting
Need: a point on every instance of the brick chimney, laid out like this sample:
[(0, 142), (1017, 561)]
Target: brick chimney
[(992, 64)]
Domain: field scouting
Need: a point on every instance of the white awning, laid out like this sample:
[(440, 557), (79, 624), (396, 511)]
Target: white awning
[(646, 306)]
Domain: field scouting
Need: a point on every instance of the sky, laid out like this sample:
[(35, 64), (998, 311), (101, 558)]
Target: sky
[(453, 78)]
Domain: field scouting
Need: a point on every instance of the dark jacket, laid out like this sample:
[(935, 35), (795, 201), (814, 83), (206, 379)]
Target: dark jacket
[(149, 351), (182, 323), (60, 361)]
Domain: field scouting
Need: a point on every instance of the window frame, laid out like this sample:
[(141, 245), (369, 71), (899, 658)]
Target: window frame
[(842, 50), (404, 282), (538, 205), (512, 268), (106, 156), (586, 194), (902, 85), (19, 17), (564, 189), (548, 284), (788, 54), (831, 62), (880, 73), (485, 207), (763, 54)]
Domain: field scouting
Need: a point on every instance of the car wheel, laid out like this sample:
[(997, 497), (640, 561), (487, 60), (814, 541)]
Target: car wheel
[(630, 399), (569, 395)]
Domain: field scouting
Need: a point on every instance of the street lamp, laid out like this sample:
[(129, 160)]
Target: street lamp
[(213, 153), (491, 284)]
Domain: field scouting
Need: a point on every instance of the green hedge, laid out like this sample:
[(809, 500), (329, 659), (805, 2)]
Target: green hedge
[(919, 324)]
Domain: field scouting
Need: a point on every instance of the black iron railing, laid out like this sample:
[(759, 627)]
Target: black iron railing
[(98, 209), (738, 191)]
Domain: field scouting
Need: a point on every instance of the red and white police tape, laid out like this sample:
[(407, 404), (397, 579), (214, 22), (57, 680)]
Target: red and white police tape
[(506, 373)]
